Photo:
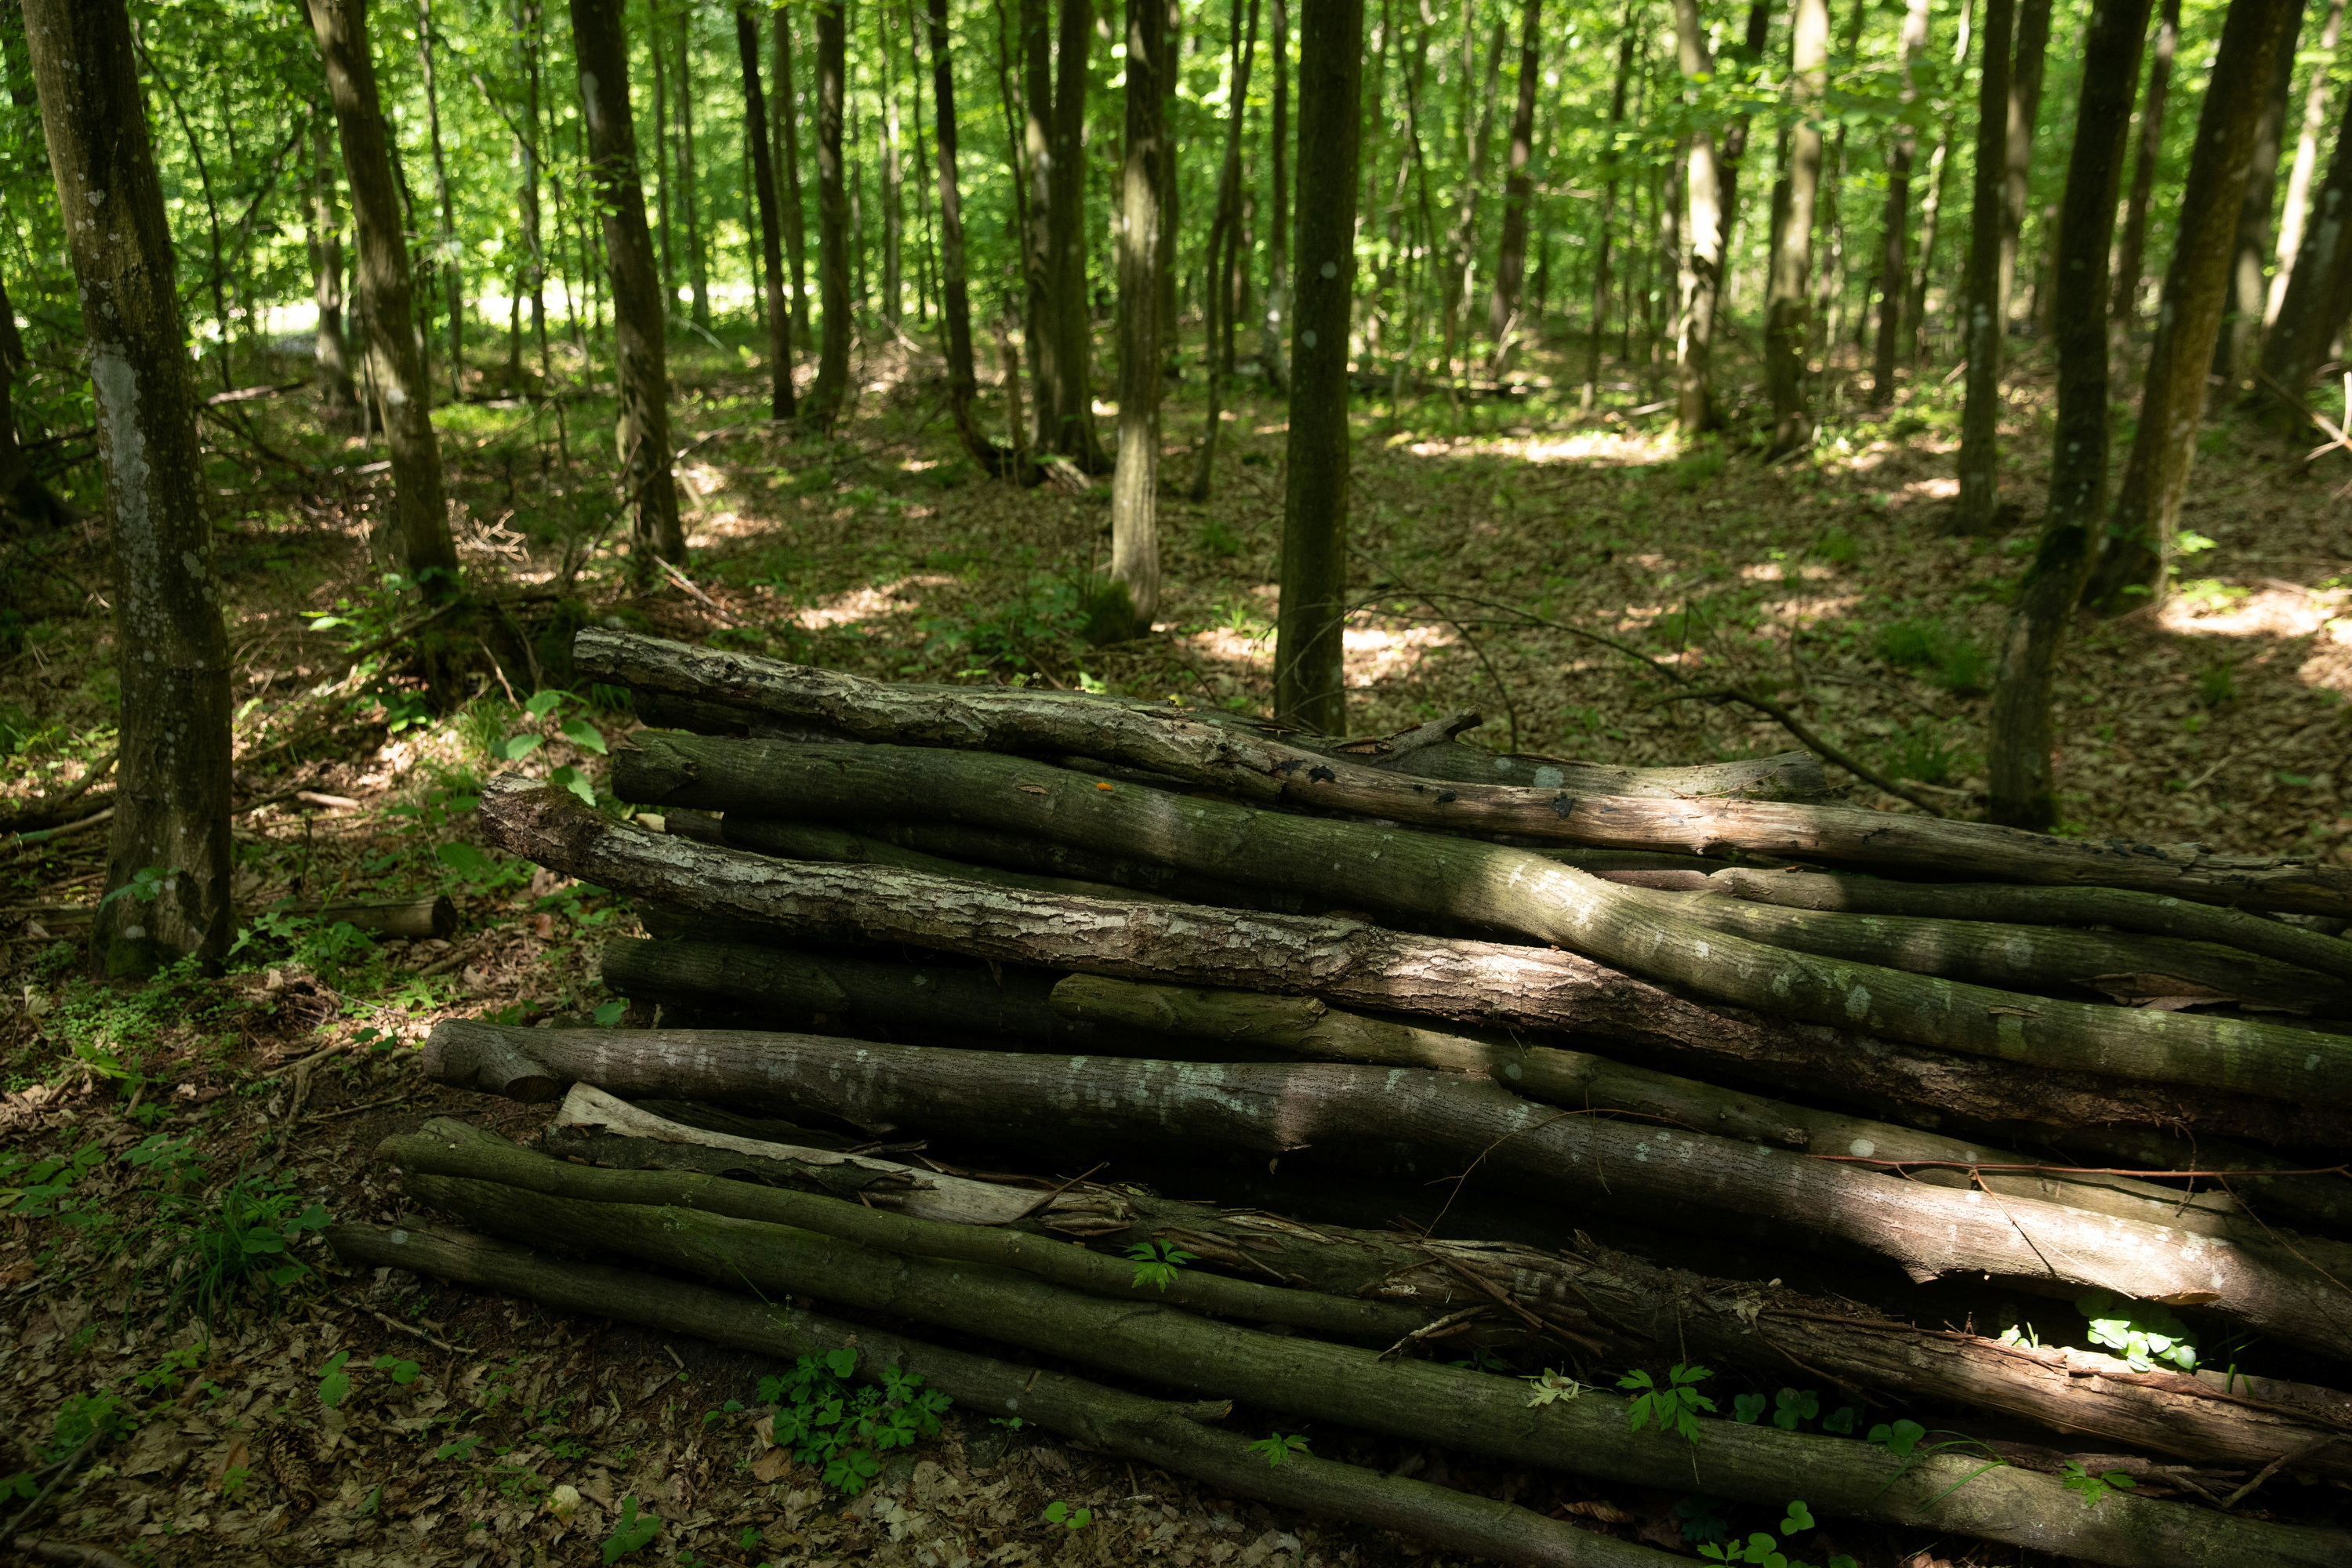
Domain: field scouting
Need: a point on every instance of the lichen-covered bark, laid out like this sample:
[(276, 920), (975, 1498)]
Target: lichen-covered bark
[(1361, 865), (1179, 745), (172, 798)]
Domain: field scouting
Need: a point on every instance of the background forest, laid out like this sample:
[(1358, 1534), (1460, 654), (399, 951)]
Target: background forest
[(1953, 390)]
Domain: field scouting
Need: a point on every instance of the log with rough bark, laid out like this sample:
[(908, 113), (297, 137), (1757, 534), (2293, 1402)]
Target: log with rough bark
[(1457, 879), (1634, 1310), (1349, 1114), (814, 841), (1176, 742), (1184, 1438), (1457, 1408), (689, 891)]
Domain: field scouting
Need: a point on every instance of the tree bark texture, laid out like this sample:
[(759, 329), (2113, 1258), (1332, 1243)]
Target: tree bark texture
[(2240, 340), (831, 389), (1066, 379), (788, 162), (763, 188), (1223, 245), (640, 310), (2020, 739), (810, 841), (2025, 71), (2295, 204), (1701, 258), (1183, 1439), (1788, 304), (1894, 220), (1174, 744), (2319, 295), (2137, 547), (1309, 670), (1518, 190), (172, 796), (1096, 1107), (331, 350), (1274, 339), (387, 304), (955, 293), (1977, 509), (2131, 249), (1132, 595)]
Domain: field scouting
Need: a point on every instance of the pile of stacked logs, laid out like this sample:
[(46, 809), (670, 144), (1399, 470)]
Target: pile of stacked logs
[(1424, 1054)]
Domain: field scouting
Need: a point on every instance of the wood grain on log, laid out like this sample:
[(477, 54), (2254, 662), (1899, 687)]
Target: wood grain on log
[(1095, 1106), (1361, 865), (1176, 742)]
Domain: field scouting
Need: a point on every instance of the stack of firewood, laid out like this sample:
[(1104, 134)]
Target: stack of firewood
[(1499, 1057)]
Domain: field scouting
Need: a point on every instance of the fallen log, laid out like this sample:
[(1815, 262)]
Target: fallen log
[(814, 841), (689, 890), (1183, 1438), (1068, 1104), (1175, 743), (1456, 878), (1456, 1407)]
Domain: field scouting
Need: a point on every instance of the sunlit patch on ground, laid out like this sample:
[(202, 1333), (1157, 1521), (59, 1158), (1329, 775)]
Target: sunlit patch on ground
[(1377, 655)]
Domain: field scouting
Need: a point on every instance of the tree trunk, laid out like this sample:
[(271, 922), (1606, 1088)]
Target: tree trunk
[(1612, 159), (1895, 223), (1978, 509), (1731, 152), (331, 351), (1274, 339), (2021, 736), (600, 46), (532, 275), (955, 299), (1518, 189), (1787, 331), (1701, 259), (168, 871), (2295, 208), (2138, 552), (832, 387), (2026, 60), (893, 180), (453, 276), (1309, 674), (2132, 248), (1066, 401), (386, 305), (763, 185), (2240, 340), (697, 261), (2318, 294), (1224, 250), (1132, 595), (788, 158)]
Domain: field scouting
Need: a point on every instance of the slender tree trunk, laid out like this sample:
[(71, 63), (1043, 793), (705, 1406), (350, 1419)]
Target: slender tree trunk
[(1071, 318), (664, 167), (172, 657), (1478, 122), (788, 158), (1931, 216), (1273, 342), (763, 187), (955, 300), (1134, 590), (1788, 307), (1601, 280), (2241, 311), (1171, 167), (339, 400), (1036, 158), (2296, 205), (453, 278), (2025, 71), (1223, 249), (1895, 224), (386, 304), (1978, 509), (533, 269), (1731, 152), (600, 46), (2131, 569), (1701, 259), (1518, 189), (1309, 678), (2318, 293), (894, 179), (2131, 255), (2020, 736), (698, 258), (832, 386)]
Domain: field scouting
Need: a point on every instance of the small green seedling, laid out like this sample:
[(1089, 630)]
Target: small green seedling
[(1156, 1263), (1551, 1386), (635, 1531), (1673, 1408), (1068, 1518), (2094, 1489), (1279, 1447)]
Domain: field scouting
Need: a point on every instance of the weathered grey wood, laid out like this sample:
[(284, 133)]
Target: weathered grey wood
[(1093, 1105), (1178, 1437), (1478, 1412), (814, 841), (1176, 742), (1364, 864)]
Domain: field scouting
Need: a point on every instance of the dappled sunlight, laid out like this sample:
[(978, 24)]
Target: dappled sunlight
[(867, 604), (2210, 608), (1376, 655)]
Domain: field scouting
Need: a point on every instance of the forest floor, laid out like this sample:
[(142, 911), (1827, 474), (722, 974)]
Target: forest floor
[(146, 1129)]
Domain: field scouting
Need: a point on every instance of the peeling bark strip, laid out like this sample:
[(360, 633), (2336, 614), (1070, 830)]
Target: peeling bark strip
[(1174, 742), (1475, 1412), (1361, 865), (738, 898), (1268, 1110), (1179, 1437)]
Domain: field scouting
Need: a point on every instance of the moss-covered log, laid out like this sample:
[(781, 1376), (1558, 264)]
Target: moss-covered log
[(1089, 1107), (1361, 865), (1184, 1438), (1175, 743), (1456, 1408)]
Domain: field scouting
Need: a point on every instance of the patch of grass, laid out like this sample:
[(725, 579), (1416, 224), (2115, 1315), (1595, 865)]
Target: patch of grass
[(1940, 653), (1703, 466), (1838, 548), (1924, 752), (2216, 684)]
